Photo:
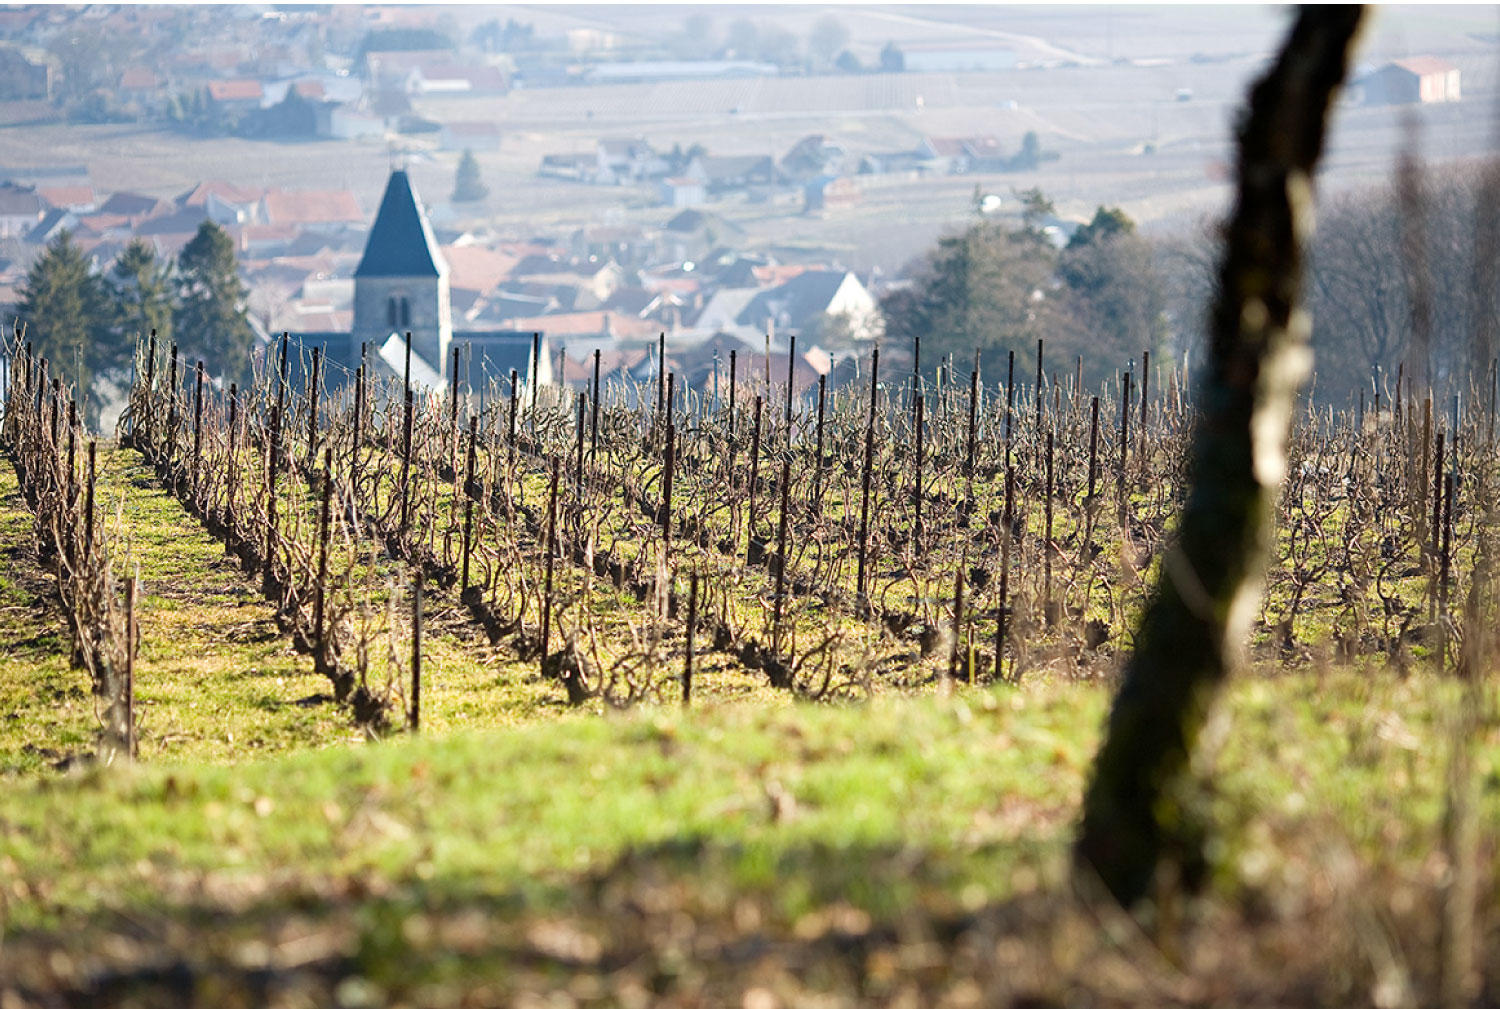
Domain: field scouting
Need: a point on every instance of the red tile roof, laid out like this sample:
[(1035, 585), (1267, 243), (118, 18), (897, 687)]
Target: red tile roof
[(475, 268), (227, 191), (313, 206), (68, 196), (1422, 66), (235, 91)]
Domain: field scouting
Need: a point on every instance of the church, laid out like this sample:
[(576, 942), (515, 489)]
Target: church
[(400, 288)]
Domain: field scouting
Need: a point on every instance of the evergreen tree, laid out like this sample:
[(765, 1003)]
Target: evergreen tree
[(210, 320), (67, 315), (985, 288), (468, 187), (139, 286)]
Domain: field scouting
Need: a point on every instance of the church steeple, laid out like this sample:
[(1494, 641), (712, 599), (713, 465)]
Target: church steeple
[(401, 283), (401, 242)]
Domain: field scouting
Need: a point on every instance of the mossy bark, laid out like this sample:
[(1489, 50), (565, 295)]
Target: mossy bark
[(1134, 818)]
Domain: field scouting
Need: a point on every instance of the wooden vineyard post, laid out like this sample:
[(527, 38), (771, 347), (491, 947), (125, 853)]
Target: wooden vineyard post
[(1436, 540), (973, 431), (1010, 402), (1121, 489), (692, 631), (406, 464), (661, 377), (919, 422), (791, 366), (1093, 452), (864, 506), (1445, 569), (1006, 536), (319, 603), (131, 635), (453, 415), (551, 549), (1419, 494), (88, 508), (754, 479), (578, 452), (172, 410), (463, 585), (955, 654), (594, 415), (916, 374), (197, 428), (1048, 609), (233, 474), (72, 453), (150, 391), (669, 461), (818, 464), (273, 458), (732, 442), (510, 459), (314, 391), (1040, 379), (358, 433), (416, 651), (779, 602)]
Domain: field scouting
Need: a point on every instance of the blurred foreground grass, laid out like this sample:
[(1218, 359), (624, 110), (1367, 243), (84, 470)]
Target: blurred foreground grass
[(675, 852)]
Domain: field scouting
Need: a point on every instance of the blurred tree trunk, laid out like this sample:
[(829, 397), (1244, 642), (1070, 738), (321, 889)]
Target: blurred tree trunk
[(1135, 818)]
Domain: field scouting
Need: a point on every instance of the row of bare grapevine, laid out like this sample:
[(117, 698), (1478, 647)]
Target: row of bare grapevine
[(55, 463), (996, 526)]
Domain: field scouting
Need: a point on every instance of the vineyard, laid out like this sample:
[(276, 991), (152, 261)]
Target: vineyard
[(321, 559), (620, 542)]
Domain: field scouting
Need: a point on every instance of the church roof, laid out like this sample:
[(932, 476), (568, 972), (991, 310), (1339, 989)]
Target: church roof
[(401, 242)]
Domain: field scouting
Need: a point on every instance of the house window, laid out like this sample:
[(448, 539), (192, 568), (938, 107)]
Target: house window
[(405, 313), (390, 312)]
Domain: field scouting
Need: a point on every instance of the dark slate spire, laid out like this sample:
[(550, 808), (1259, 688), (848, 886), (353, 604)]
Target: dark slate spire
[(400, 242)]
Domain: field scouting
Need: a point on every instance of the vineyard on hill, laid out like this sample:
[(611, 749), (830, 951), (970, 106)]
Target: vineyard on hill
[(611, 547), (947, 565)]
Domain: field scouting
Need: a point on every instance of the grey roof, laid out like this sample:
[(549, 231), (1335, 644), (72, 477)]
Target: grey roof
[(401, 242), (129, 204), (19, 200), (796, 301), (52, 222)]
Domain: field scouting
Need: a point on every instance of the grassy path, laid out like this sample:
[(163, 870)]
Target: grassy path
[(46, 707), (215, 678)]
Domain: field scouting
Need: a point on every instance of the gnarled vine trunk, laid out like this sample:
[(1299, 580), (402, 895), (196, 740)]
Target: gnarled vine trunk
[(1195, 625)]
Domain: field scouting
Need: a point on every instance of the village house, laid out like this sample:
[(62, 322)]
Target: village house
[(21, 208), (236, 96), (316, 209), (961, 155), (1419, 79)]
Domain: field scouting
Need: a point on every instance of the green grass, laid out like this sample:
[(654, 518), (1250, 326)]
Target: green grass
[(901, 806), (46, 707)]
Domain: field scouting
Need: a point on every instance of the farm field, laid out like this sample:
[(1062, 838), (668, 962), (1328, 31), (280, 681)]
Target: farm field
[(864, 801), (1100, 109)]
